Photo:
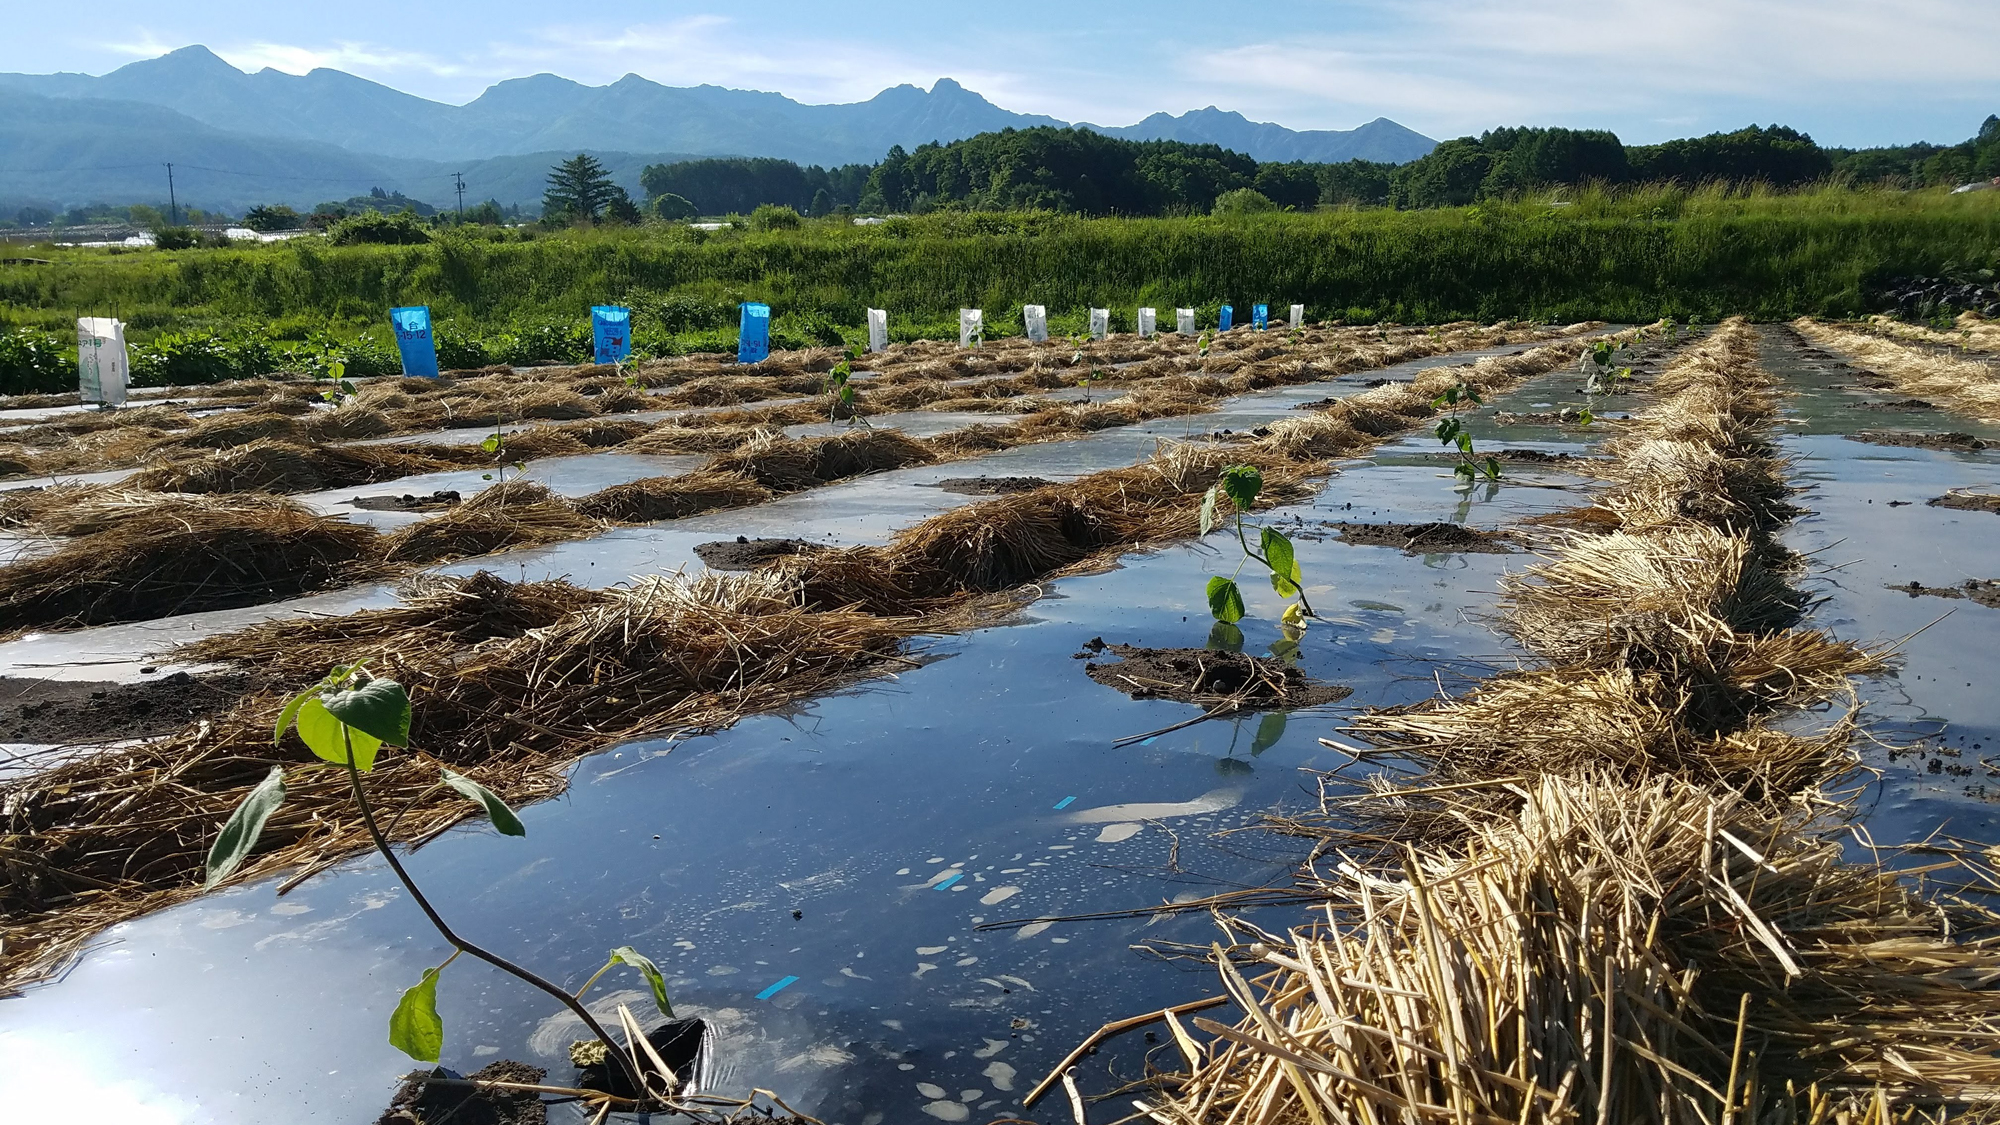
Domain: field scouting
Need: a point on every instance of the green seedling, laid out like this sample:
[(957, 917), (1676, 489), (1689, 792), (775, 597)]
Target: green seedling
[(1078, 343), (1451, 431), (346, 721), (341, 391), (840, 392), (1241, 484)]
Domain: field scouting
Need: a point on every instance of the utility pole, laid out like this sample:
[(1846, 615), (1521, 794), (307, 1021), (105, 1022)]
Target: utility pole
[(173, 205), (458, 179)]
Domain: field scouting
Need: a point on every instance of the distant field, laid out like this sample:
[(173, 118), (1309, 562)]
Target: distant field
[(518, 296)]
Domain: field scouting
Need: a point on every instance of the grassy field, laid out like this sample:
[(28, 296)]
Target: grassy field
[(516, 296)]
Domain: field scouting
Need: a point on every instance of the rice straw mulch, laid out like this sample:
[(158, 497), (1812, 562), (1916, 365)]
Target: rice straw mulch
[(1962, 386), (515, 708), (1618, 895)]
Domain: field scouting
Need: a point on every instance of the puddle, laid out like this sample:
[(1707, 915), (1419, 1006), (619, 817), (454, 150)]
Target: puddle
[(813, 883)]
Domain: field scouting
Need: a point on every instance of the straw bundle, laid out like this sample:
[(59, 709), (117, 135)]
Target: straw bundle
[(1969, 333), (276, 466), (136, 559), (1607, 954), (784, 464), (1961, 386), (672, 498), (514, 514)]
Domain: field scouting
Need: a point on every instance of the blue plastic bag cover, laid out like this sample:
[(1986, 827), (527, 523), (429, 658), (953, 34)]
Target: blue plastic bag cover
[(753, 340), (1228, 318), (414, 342), (611, 332), (1260, 315)]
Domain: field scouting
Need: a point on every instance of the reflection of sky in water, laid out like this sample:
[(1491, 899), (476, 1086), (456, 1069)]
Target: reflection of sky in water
[(894, 818)]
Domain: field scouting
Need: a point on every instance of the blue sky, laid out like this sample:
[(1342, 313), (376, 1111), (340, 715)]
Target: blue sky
[(1851, 72)]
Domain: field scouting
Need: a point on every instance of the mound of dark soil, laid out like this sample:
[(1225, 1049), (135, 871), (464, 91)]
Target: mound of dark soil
[(1914, 440), (1423, 538), (435, 502), (1901, 405), (742, 553), (70, 712), (1967, 501), (1984, 591), (1534, 456), (420, 1103), (1207, 677), (992, 486)]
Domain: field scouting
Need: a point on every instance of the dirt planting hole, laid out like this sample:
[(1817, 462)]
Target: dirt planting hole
[(1423, 538), (407, 502), (1913, 440), (744, 553), (1981, 591), (1206, 677), (62, 713), (1967, 502), (992, 486)]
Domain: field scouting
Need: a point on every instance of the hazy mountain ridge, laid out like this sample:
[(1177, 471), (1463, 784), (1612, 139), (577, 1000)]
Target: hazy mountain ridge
[(261, 117)]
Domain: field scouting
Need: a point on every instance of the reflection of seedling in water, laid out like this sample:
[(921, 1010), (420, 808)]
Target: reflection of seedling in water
[(1241, 484), (345, 720), (1451, 431)]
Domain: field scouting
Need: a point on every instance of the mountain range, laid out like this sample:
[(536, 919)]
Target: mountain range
[(270, 136)]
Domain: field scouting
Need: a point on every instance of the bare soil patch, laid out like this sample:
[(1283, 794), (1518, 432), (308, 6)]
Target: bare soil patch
[(1206, 677), (1914, 440), (407, 502), (1967, 501), (1902, 405), (744, 553), (992, 486), (66, 713), (1984, 591), (1423, 538), (420, 1103)]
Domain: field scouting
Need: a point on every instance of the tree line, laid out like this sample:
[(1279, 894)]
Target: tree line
[(1079, 171)]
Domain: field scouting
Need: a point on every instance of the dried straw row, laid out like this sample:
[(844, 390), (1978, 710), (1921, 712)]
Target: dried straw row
[(1970, 332), (1961, 386)]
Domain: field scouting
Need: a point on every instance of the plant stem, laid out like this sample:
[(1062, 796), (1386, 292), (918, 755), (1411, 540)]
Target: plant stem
[(459, 943)]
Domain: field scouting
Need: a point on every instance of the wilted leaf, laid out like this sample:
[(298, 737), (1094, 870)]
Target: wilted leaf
[(239, 833), (1208, 508), (379, 707), (1294, 617), (503, 818), (414, 1027), (1225, 601), (625, 954)]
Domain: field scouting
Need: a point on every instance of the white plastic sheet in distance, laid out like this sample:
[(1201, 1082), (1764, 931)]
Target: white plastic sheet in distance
[(1298, 316), (1036, 319), (103, 366), (1147, 318), (878, 329), (1184, 321), (1100, 323), (971, 327)]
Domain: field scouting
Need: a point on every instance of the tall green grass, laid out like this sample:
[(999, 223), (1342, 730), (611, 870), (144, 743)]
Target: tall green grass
[(1628, 256)]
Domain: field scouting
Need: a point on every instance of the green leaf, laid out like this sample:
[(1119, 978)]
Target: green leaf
[(379, 707), (1449, 429), (625, 954), (336, 370), (322, 734), (239, 833), (1493, 468), (1464, 442), (1270, 729), (1466, 471), (491, 444), (1242, 483), (1225, 601), (1285, 577), (1586, 418), (1208, 508), (291, 712), (503, 818), (1473, 396), (414, 1027)]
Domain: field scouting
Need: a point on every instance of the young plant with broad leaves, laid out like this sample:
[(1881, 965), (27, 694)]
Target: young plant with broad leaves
[(339, 391), (346, 720), (1240, 484), (1601, 370), (840, 390), (1078, 345), (1452, 432)]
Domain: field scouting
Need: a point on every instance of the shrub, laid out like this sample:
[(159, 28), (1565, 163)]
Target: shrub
[(36, 363), (552, 341), (772, 216), (459, 353), (176, 238), (673, 208), (181, 358), (272, 218), (403, 229), (1243, 201)]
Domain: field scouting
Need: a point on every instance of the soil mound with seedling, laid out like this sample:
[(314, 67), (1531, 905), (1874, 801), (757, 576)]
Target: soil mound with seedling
[(1207, 677), (1901, 405), (1424, 538), (418, 1102), (1913, 440), (742, 553), (992, 486), (1967, 501), (1984, 591), (407, 502), (59, 712)]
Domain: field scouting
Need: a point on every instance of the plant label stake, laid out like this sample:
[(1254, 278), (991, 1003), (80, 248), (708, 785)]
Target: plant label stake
[(878, 330), (414, 341), (753, 338), (1298, 317), (610, 333), (1147, 319), (1035, 319), (1260, 317), (1184, 321), (971, 328), (102, 364), (1100, 323), (1225, 318)]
